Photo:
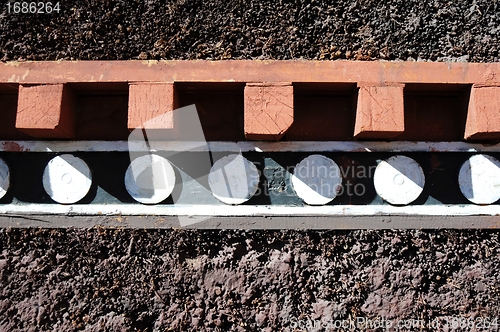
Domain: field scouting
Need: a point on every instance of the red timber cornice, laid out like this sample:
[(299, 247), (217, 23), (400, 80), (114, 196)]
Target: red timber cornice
[(269, 96)]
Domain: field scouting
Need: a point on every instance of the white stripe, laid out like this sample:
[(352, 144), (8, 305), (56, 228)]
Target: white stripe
[(245, 146), (251, 210)]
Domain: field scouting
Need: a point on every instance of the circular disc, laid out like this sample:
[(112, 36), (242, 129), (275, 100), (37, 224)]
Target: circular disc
[(479, 179), (150, 179), (317, 180), (67, 179), (399, 180), (233, 179), (4, 178)]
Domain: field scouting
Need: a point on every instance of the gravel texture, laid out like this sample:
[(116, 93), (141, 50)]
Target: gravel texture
[(160, 280), (275, 29)]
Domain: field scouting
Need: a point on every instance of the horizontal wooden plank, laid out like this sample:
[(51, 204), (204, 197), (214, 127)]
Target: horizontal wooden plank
[(249, 71), (244, 146)]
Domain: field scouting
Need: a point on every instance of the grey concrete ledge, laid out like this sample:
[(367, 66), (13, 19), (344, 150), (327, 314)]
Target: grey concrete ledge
[(290, 222)]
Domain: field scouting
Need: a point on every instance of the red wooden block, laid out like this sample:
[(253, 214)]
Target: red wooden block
[(46, 111), (483, 116), (151, 107), (380, 111), (268, 110)]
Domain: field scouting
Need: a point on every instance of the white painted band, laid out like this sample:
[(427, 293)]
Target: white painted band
[(250, 210), (246, 146)]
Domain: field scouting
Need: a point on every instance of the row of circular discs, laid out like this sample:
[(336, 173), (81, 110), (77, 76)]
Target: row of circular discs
[(233, 179)]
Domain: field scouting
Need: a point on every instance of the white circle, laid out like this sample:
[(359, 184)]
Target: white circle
[(4, 178), (67, 179), (399, 180), (233, 179), (479, 179), (150, 179), (317, 180)]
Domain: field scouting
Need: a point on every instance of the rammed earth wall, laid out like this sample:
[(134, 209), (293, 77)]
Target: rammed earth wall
[(154, 280)]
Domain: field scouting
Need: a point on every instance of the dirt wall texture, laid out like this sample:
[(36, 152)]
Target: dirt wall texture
[(158, 280), (161, 280), (218, 29)]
